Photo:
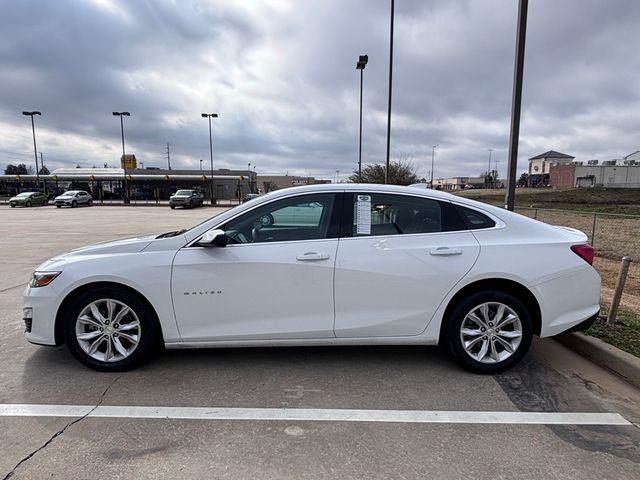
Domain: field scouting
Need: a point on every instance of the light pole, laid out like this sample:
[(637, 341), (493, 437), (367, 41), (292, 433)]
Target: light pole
[(125, 186), (489, 169), (200, 164), (35, 150), (362, 62), (249, 176), (516, 103), (386, 171), (433, 158), (210, 116)]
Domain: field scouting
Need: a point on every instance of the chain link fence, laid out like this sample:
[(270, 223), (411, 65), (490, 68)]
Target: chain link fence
[(612, 235)]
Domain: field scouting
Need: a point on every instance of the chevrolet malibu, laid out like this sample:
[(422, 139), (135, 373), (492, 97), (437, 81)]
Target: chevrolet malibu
[(322, 265)]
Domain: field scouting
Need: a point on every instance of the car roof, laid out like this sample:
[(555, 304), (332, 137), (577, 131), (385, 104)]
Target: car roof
[(359, 187)]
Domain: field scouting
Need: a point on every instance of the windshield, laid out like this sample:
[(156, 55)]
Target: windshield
[(68, 194), (183, 192), (22, 195)]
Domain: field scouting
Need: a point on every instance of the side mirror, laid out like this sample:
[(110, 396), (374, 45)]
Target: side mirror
[(213, 238)]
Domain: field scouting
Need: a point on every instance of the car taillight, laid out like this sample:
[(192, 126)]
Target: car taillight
[(584, 251)]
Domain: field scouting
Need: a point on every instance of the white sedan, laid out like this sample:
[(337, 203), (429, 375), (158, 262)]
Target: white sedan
[(364, 265)]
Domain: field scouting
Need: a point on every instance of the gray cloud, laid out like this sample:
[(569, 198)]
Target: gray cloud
[(282, 76)]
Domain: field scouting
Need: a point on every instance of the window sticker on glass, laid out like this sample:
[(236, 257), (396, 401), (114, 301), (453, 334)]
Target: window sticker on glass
[(363, 215)]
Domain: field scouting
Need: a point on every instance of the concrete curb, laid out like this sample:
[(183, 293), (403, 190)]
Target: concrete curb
[(605, 355)]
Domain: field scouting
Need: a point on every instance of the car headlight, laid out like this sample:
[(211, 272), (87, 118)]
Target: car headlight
[(41, 279)]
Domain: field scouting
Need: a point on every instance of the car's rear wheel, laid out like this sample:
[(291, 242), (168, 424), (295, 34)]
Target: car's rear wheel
[(110, 330), (173, 207), (489, 332), (28, 204), (89, 203), (74, 204)]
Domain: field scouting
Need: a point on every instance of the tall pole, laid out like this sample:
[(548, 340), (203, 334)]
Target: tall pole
[(125, 185), (433, 158), (514, 136), (168, 157), (489, 169), (386, 171), (35, 148), (210, 116), (362, 62)]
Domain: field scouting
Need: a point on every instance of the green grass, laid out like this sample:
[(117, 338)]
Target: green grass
[(603, 200), (624, 334)]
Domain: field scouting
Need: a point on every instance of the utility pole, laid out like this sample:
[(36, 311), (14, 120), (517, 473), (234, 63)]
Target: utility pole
[(487, 181), (35, 148), (386, 170), (362, 62), (433, 158), (168, 156), (518, 71)]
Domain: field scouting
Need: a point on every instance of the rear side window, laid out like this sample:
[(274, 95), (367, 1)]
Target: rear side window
[(387, 214), (474, 219)]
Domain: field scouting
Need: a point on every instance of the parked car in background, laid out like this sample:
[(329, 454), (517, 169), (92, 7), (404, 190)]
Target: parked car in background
[(357, 265), (29, 199), (186, 199), (73, 198)]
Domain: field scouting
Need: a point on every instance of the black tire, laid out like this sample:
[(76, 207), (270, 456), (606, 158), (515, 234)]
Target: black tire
[(148, 336), (58, 206), (89, 203), (173, 207), (74, 204), (452, 331), (28, 204), (13, 205), (45, 203)]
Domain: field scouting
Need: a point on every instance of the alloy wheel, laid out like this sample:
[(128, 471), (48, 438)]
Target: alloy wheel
[(491, 332), (108, 330)]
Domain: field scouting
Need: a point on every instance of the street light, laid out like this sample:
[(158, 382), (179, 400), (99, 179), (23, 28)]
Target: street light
[(433, 157), (35, 150), (362, 62), (249, 178), (125, 189), (210, 116)]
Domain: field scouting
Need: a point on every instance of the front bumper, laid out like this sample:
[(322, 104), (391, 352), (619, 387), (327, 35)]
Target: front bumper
[(43, 303)]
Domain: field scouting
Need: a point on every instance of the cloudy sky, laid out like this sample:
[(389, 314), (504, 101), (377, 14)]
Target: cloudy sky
[(281, 74)]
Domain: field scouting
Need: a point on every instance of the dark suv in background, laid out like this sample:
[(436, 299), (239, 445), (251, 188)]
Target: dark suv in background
[(186, 199)]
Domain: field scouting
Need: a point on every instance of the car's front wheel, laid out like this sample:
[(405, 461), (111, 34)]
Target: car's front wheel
[(74, 204), (110, 330), (28, 204), (489, 332)]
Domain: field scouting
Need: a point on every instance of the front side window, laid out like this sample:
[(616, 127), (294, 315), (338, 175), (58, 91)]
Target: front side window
[(304, 217)]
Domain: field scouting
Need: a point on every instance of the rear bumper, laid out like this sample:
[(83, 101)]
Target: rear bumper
[(586, 324), (568, 301)]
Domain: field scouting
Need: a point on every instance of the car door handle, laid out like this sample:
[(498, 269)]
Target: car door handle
[(445, 251), (312, 257)]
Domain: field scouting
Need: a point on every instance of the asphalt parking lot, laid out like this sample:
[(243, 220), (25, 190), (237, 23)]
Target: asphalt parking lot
[(226, 401)]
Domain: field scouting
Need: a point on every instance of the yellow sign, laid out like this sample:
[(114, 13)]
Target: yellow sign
[(128, 161)]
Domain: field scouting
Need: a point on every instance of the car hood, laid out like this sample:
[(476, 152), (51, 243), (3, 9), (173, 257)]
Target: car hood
[(125, 245)]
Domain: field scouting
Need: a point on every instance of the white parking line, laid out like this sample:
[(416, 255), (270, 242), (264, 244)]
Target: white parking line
[(313, 414)]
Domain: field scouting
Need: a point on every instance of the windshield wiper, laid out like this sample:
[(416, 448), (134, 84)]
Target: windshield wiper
[(172, 234)]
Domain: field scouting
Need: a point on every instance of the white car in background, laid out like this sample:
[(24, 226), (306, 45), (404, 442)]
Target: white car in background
[(73, 198), (334, 265)]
